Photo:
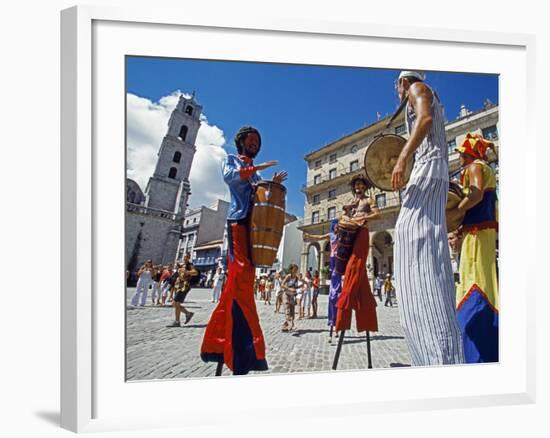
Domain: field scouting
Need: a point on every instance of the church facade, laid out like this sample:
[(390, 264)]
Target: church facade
[(154, 218)]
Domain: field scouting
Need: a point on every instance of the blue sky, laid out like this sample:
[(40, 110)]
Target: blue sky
[(296, 108)]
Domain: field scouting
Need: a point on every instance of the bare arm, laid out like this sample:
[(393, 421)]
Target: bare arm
[(421, 98), (309, 237), (375, 213), (475, 175)]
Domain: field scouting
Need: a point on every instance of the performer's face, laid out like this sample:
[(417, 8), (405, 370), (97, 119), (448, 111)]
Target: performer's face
[(251, 145), (400, 88), (359, 187), (464, 159)]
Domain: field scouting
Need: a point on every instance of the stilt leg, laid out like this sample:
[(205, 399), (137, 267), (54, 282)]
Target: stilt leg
[(219, 369), (330, 335), (338, 350), (369, 358)]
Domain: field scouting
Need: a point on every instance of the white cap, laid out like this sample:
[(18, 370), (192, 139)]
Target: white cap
[(412, 73)]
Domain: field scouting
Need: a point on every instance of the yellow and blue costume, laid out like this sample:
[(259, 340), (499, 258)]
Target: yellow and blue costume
[(477, 295)]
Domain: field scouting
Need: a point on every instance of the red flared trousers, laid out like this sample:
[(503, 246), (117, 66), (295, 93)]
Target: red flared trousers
[(356, 292), (222, 332)]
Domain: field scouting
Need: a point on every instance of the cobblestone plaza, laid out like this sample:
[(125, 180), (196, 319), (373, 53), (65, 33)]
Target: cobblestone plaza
[(157, 352)]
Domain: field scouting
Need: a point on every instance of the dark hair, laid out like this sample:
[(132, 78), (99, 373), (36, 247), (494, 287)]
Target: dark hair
[(412, 79), (358, 178), (242, 134)]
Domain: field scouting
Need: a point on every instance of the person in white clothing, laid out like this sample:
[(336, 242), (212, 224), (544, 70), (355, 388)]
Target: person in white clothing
[(306, 299), (145, 280), (423, 272), (219, 280)]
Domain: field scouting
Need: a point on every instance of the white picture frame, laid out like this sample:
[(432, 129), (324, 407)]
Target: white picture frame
[(94, 396)]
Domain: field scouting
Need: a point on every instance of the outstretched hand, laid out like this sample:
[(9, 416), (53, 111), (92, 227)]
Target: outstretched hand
[(280, 177), (265, 165)]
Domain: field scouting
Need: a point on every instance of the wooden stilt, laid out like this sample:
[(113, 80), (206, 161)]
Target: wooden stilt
[(338, 350), (369, 358), (219, 369)]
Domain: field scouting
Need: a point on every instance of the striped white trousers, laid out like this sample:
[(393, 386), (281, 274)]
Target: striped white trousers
[(424, 277)]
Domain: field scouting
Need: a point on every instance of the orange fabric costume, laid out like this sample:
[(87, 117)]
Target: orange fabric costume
[(233, 334), (356, 293)]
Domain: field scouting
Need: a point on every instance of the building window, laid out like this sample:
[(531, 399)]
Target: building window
[(354, 149), (452, 146), (332, 158), (490, 133), (317, 164), (331, 213), (183, 133), (332, 173), (354, 165), (332, 194), (381, 200), (189, 110), (177, 157), (316, 199), (401, 129), (317, 179), (172, 173), (315, 217)]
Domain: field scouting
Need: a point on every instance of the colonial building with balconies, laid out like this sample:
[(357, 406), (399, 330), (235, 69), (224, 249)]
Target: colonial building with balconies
[(331, 167)]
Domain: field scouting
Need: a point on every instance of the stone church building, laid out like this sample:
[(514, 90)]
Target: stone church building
[(154, 219)]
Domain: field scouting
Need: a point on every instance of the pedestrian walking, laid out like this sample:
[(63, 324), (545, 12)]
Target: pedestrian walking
[(378, 283), (165, 283), (290, 286), (315, 293), (278, 290), (218, 282), (388, 290), (182, 288)]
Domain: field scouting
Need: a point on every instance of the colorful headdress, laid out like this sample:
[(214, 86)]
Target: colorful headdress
[(475, 146)]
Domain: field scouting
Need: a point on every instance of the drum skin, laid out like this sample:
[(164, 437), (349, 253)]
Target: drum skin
[(453, 199), (266, 222), (380, 158)]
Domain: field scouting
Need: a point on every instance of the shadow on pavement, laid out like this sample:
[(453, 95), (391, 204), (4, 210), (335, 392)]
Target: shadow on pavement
[(300, 332), (357, 339)]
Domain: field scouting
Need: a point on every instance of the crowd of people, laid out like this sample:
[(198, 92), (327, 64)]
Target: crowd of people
[(290, 290)]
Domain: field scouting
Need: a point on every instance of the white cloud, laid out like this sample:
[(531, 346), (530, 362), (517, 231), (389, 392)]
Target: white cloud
[(147, 125)]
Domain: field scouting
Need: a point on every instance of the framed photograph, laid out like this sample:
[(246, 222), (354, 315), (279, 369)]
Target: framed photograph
[(151, 103)]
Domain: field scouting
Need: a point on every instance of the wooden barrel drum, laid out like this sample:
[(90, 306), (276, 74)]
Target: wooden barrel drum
[(267, 222), (347, 232), (453, 199)]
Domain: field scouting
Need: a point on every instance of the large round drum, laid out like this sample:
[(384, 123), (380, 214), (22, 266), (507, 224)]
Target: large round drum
[(453, 199), (347, 232), (380, 158), (266, 222)]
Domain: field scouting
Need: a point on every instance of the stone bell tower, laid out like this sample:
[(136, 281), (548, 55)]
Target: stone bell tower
[(168, 189)]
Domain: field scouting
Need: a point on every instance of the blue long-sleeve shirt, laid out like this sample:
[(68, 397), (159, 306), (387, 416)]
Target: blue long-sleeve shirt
[(239, 174)]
